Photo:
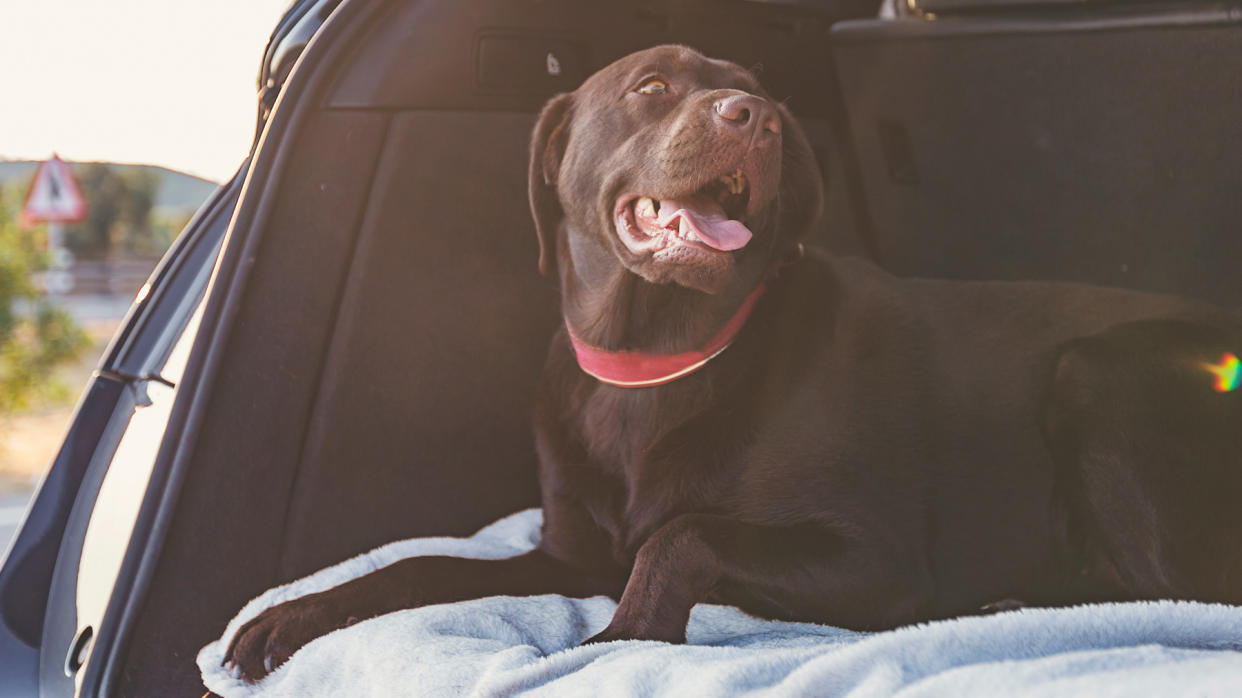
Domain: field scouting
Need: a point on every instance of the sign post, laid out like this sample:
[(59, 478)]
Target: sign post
[(55, 198)]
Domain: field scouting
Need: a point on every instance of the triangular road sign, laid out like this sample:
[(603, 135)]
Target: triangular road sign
[(54, 195)]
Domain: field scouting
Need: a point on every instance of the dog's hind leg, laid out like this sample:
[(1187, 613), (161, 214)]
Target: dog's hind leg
[(1145, 423)]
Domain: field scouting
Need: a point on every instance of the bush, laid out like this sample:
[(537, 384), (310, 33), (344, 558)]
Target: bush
[(35, 337)]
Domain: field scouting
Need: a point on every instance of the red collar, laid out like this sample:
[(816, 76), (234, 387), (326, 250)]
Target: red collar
[(635, 369)]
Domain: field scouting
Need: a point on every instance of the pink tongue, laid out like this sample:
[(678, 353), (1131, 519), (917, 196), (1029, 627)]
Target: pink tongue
[(707, 219)]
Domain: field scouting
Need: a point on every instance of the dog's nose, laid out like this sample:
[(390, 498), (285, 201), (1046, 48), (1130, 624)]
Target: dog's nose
[(747, 112)]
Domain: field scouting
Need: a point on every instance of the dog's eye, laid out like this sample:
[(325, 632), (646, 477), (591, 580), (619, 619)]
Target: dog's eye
[(653, 86)]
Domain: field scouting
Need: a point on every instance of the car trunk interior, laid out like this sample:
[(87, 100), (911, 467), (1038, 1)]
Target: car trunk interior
[(374, 382)]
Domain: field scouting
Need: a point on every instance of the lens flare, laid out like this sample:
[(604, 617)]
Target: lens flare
[(1227, 373)]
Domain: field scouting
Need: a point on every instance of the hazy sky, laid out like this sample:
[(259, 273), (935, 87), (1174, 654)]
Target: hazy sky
[(167, 82)]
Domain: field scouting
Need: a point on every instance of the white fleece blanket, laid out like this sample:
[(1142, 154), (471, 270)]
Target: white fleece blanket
[(503, 646)]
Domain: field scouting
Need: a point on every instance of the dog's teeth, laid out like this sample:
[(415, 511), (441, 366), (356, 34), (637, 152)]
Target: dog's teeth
[(683, 228), (645, 207), (734, 182)]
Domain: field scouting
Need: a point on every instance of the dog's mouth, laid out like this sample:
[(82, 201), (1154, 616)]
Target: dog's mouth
[(707, 221)]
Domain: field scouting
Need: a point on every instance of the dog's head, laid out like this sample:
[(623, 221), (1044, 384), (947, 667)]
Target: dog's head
[(676, 166)]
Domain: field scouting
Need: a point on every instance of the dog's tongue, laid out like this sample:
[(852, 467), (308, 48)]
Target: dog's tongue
[(705, 216)]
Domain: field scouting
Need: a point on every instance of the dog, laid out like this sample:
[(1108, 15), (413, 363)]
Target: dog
[(726, 416)]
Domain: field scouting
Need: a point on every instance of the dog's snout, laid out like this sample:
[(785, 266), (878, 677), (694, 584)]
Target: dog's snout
[(745, 113)]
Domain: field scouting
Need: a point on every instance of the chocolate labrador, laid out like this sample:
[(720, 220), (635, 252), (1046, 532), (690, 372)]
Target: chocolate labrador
[(726, 418)]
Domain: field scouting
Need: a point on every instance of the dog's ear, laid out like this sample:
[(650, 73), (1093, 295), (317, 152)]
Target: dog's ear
[(547, 148)]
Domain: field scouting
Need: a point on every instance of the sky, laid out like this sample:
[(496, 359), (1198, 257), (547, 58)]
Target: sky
[(163, 82)]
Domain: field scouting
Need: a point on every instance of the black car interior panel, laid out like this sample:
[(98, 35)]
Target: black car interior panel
[(1096, 146), (438, 341), (226, 532)]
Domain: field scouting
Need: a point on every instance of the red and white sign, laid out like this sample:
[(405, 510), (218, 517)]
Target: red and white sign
[(54, 196)]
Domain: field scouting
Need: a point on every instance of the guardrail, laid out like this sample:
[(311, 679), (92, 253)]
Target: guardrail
[(98, 277)]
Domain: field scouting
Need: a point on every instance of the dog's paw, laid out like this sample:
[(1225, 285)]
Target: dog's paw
[(618, 631), (606, 635), (270, 638)]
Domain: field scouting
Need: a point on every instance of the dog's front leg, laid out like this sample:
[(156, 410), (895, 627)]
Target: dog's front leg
[(269, 639), (802, 571)]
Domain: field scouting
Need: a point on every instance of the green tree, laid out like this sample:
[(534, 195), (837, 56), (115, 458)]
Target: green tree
[(138, 235), (35, 337), (105, 193), (118, 217)]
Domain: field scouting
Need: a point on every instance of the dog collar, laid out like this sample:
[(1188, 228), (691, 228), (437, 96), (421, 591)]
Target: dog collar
[(636, 369)]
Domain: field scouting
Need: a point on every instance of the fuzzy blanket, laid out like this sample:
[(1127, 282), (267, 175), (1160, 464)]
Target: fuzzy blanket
[(503, 646)]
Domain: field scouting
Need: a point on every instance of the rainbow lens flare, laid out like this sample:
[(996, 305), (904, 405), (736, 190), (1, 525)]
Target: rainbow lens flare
[(1227, 372)]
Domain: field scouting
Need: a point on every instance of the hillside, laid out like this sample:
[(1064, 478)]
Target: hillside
[(178, 192)]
